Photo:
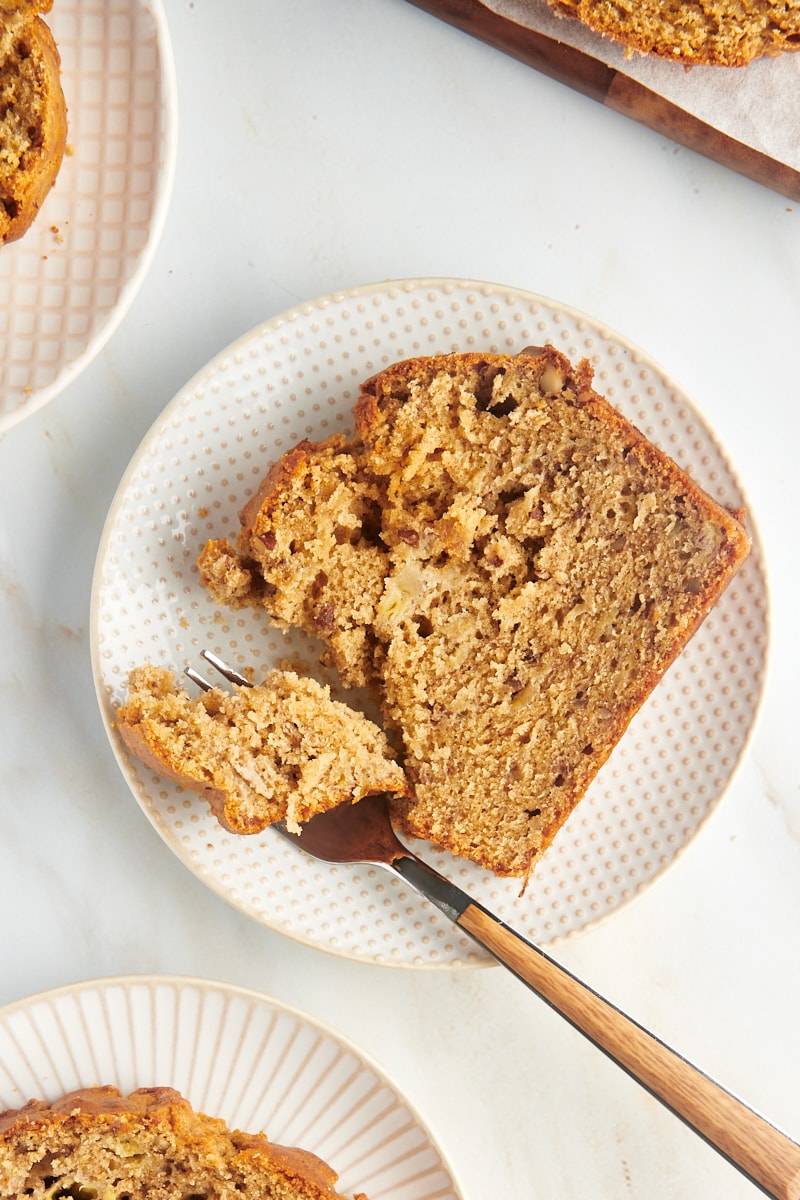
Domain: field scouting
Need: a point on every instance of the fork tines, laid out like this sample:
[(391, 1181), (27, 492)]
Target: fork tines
[(220, 665)]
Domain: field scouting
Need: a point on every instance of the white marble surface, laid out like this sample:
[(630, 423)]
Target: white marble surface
[(323, 146)]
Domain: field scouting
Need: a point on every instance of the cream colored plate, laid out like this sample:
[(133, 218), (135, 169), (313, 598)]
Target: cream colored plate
[(296, 376), (234, 1054), (66, 285)]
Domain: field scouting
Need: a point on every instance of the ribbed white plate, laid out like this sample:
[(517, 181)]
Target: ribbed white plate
[(298, 376), (234, 1054), (66, 285)]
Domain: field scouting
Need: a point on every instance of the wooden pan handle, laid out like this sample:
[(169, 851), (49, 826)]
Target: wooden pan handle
[(759, 1150)]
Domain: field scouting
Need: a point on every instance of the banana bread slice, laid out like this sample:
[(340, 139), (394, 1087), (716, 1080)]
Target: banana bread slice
[(150, 1145), (712, 32), (33, 114), (284, 750), (507, 562)]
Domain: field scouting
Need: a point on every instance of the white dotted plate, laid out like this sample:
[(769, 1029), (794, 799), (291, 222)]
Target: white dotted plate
[(235, 1054), (66, 285), (298, 375)]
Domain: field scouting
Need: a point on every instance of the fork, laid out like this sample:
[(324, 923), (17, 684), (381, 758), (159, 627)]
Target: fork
[(362, 833)]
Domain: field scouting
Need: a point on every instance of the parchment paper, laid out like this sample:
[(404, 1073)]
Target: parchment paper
[(758, 104)]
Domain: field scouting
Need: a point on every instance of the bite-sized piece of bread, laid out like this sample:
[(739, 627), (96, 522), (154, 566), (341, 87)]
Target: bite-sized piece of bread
[(727, 33), (283, 750), (33, 114), (507, 562), (150, 1145)]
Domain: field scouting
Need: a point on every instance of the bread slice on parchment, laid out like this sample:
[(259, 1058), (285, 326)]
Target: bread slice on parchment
[(728, 33)]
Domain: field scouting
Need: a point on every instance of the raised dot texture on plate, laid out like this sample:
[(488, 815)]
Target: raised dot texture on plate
[(193, 472)]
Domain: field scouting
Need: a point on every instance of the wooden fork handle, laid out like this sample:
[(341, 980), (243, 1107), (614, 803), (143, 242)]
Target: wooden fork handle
[(766, 1156)]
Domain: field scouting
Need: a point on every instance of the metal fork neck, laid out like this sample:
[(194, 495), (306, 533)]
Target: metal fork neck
[(445, 895)]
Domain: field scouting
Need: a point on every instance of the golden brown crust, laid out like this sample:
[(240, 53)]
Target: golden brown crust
[(143, 739), (729, 33), (508, 563), (33, 127), (88, 1138), (278, 479)]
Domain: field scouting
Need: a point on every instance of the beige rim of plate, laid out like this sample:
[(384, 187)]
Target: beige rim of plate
[(296, 376)]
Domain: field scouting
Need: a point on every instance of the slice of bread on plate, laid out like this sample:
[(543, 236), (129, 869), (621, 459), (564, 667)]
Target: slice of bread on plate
[(506, 562), (33, 115), (149, 1145)]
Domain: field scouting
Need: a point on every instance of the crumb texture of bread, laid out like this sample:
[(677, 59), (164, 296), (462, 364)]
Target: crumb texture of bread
[(33, 115), (729, 33), (98, 1144), (283, 750), (507, 563)]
